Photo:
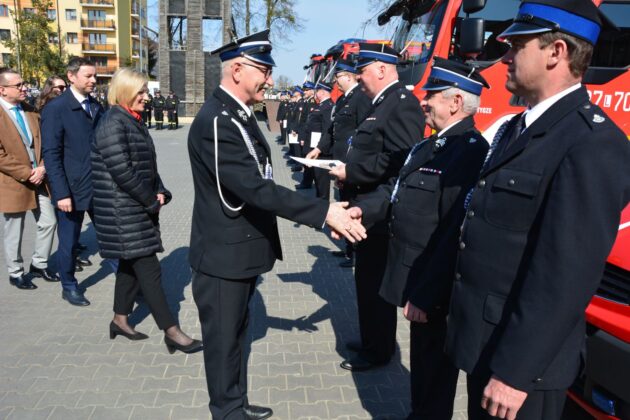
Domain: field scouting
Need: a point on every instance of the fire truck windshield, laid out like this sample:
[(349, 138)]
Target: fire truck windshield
[(415, 38)]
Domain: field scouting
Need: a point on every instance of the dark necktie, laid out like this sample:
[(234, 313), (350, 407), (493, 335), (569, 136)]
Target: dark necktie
[(86, 107)]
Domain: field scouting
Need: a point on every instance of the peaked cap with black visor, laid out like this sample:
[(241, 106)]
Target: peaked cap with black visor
[(255, 47), (372, 52), (579, 18), (346, 64), (447, 74)]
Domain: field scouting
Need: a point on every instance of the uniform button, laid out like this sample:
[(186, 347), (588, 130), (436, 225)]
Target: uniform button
[(458, 276), (393, 217), (358, 187), (391, 235), (537, 380), (404, 184), (462, 245), (421, 182), (481, 183), (397, 200), (470, 214), (249, 236), (511, 182)]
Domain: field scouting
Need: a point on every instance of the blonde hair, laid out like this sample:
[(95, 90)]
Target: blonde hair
[(125, 85)]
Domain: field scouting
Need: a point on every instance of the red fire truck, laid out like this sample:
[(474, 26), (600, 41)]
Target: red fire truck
[(468, 28)]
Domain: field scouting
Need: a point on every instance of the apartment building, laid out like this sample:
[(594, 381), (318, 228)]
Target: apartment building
[(110, 32)]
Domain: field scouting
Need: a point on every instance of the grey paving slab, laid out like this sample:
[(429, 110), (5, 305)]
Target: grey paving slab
[(57, 361)]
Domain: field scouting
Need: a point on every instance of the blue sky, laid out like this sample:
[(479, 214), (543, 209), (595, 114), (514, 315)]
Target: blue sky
[(326, 22)]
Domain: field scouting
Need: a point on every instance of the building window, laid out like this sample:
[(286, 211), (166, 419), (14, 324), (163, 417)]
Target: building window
[(4, 10), (53, 38), (52, 14), (72, 38), (28, 11), (5, 34), (99, 61), (6, 59), (98, 39), (96, 15), (71, 14)]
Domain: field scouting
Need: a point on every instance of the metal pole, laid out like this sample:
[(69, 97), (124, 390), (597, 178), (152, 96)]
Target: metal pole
[(17, 34), (140, 27)]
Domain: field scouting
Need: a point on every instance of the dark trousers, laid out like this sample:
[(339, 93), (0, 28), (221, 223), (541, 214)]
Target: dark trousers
[(224, 315), (344, 196), (143, 273), (283, 134), (539, 405), (377, 318), (309, 173), (68, 231), (322, 183), (433, 376)]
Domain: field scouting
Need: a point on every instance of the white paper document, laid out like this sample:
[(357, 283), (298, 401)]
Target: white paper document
[(318, 163), (284, 123), (315, 139), (293, 138)]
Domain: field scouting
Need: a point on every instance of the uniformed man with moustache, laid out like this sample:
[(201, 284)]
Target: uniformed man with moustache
[(318, 124), (376, 153), (540, 222), (349, 111), (293, 123), (424, 205), (234, 234), (158, 109)]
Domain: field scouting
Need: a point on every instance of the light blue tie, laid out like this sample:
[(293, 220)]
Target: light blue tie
[(18, 117)]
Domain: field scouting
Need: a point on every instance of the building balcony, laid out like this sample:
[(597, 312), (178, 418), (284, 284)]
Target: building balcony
[(99, 48), (105, 71), (98, 3), (98, 25)]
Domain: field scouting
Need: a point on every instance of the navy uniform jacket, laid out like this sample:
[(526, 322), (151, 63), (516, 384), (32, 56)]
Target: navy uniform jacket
[(541, 222), (303, 122), (282, 111), (349, 111), (294, 115), (225, 243), (67, 136), (383, 140), (426, 215), (319, 122)]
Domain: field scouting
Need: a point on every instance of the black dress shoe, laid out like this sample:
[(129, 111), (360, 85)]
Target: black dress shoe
[(115, 330), (359, 364), (83, 262), (77, 268), (348, 263), (303, 187), (340, 254), (74, 297), (80, 247), (43, 273), (257, 412), (193, 347), (355, 346), (22, 282)]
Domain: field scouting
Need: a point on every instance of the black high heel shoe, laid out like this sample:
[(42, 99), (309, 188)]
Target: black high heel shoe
[(193, 347), (115, 330)]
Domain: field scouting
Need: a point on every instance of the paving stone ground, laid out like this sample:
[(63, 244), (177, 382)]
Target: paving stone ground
[(57, 361)]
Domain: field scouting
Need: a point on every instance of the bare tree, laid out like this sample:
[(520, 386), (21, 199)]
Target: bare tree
[(278, 15), (283, 82)]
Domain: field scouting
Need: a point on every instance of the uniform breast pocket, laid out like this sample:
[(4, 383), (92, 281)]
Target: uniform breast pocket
[(421, 193), (513, 200)]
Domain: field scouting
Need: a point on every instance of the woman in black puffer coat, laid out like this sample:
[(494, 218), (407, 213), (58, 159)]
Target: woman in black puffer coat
[(128, 195)]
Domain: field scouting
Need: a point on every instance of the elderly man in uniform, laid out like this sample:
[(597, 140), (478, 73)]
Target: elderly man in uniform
[(376, 153), (234, 230), (23, 183), (540, 222), (425, 207), (349, 111)]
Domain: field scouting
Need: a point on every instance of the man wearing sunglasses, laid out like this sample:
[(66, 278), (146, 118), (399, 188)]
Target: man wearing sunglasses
[(22, 182)]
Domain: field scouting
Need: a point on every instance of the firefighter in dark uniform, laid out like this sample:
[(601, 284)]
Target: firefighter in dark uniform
[(540, 222), (281, 117), (425, 207), (158, 109), (293, 121), (236, 203), (308, 105), (148, 108), (377, 151), (171, 105), (349, 111), (318, 125)]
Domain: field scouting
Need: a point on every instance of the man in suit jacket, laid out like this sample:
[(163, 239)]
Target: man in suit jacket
[(349, 111), (23, 182), (68, 124), (234, 234), (425, 207), (540, 222), (376, 153)]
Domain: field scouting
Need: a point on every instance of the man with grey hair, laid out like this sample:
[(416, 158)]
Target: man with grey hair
[(23, 182), (426, 207)]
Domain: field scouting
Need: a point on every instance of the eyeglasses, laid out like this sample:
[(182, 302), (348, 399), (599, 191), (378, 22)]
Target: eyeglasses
[(17, 85), (266, 71), (60, 87)]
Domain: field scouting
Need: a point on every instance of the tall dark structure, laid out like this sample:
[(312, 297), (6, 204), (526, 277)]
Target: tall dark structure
[(183, 65)]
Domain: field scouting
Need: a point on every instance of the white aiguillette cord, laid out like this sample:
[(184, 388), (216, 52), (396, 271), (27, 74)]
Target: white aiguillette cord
[(266, 173)]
